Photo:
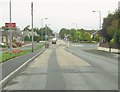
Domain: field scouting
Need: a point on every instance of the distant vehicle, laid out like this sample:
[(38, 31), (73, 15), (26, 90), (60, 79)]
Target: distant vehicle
[(54, 40)]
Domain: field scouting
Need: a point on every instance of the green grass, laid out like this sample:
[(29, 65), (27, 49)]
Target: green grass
[(6, 56), (38, 47)]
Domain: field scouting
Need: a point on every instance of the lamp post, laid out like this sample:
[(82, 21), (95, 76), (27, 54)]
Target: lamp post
[(99, 23), (99, 18), (42, 26), (46, 26), (76, 25)]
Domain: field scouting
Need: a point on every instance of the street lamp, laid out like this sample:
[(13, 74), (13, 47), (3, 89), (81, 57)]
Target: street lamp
[(42, 26), (46, 27), (99, 18), (76, 25), (48, 31), (99, 23)]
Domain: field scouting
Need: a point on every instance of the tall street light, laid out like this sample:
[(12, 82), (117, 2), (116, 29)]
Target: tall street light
[(99, 18), (42, 26), (48, 31), (46, 27), (99, 23), (76, 25)]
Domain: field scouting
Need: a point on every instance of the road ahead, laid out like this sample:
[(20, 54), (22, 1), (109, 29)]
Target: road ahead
[(58, 69)]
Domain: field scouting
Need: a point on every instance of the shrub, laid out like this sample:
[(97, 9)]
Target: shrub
[(87, 37), (17, 51)]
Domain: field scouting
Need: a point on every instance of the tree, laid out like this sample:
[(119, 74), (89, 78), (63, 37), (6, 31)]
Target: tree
[(96, 37), (27, 28), (117, 37), (43, 31), (111, 30), (62, 32), (37, 38), (109, 23), (87, 37), (77, 36), (26, 38)]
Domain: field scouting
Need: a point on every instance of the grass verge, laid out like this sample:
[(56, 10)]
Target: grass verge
[(7, 56)]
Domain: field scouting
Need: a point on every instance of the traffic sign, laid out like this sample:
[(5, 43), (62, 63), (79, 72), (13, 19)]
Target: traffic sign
[(10, 25), (46, 37)]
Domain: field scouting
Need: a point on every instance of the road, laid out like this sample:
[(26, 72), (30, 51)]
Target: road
[(61, 68)]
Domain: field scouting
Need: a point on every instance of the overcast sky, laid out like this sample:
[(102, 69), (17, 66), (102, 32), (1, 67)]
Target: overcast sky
[(60, 13)]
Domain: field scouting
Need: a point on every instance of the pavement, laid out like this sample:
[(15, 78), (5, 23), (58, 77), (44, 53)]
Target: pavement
[(61, 68)]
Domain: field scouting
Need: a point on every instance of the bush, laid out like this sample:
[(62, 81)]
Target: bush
[(112, 41), (37, 38), (26, 38), (96, 38), (87, 37)]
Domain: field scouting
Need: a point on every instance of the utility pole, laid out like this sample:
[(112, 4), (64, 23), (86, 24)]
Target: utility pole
[(32, 22), (46, 31), (76, 33), (42, 28), (10, 32)]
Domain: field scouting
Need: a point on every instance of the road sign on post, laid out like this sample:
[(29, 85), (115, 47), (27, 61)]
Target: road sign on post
[(46, 37), (10, 25)]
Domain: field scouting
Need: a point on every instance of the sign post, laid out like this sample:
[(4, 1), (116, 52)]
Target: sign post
[(46, 37), (10, 32)]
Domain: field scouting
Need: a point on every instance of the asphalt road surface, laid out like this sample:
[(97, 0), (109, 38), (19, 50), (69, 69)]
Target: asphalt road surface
[(58, 69)]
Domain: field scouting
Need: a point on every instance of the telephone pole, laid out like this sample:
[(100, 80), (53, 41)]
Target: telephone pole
[(32, 22), (10, 31)]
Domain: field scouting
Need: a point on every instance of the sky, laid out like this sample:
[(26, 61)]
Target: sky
[(60, 13)]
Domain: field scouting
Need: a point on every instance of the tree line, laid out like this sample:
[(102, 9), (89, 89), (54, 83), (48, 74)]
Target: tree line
[(41, 33), (78, 35), (111, 29), (110, 32)]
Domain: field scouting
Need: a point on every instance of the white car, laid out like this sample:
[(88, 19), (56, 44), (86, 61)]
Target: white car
[(54, 40)]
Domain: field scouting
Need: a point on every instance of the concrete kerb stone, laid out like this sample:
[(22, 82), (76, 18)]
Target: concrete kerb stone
[(11, 75), (107, 49)]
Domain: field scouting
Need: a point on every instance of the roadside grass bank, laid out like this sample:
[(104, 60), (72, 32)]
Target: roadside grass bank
[(7, 56)]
